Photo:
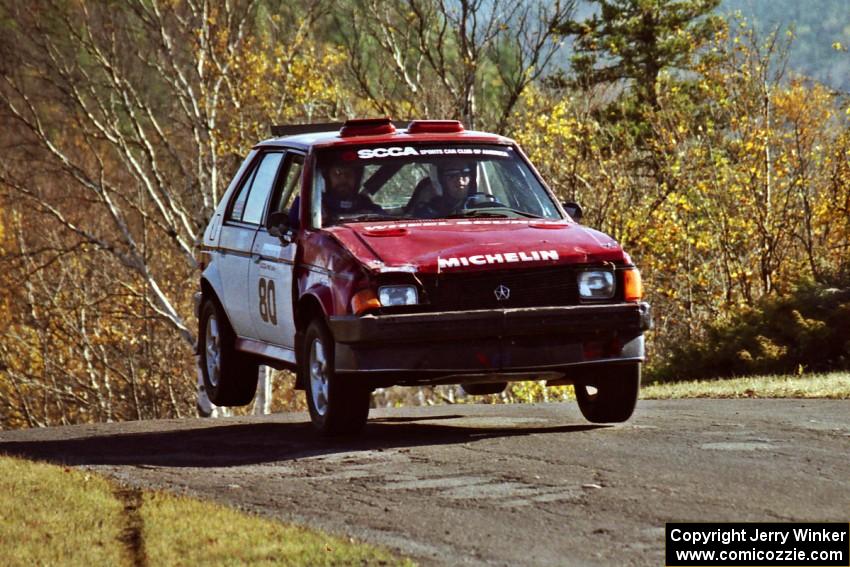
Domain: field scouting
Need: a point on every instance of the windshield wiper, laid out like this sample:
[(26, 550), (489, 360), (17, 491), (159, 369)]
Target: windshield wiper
[(522, 213), (492, 212), (476, 213), (365, 218)]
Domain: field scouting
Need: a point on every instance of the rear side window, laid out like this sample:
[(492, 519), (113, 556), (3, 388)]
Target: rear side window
[(251, 199), (238, 206)]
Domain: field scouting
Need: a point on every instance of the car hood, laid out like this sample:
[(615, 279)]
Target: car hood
[(475, 244)]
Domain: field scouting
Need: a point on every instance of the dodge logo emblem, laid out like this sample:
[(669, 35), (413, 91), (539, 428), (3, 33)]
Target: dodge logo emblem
[(503, 293)]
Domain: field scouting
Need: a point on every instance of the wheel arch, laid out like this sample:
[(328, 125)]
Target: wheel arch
[(308, 308), (208, 292), (211, 286)]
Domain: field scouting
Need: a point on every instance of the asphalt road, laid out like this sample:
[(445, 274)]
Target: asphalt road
[(495, 485)]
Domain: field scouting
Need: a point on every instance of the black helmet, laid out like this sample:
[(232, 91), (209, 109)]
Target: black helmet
[(455, 168)]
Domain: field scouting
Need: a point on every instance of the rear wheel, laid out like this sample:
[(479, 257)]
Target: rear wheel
[(337, 406), (230, 376), (609, 394)]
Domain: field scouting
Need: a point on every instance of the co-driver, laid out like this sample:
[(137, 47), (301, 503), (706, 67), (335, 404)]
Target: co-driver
[(456, 181)]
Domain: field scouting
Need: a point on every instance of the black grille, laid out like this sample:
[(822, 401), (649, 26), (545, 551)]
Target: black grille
[(528, 288)]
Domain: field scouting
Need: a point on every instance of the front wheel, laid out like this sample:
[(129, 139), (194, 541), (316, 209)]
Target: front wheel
[(337, 406), (609, 394)]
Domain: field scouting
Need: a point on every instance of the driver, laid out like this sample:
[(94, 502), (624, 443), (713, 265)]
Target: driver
[(456, 180), (341, 196)]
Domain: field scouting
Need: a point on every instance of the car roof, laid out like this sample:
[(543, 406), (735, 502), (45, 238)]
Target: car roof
[(333, 139)]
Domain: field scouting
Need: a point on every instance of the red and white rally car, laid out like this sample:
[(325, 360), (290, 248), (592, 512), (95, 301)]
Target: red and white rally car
[(373, 255)]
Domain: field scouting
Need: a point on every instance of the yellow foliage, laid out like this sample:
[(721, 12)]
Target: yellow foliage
[(753, 195), (769, 349), (273, 82), (809, 325), (534, 392)]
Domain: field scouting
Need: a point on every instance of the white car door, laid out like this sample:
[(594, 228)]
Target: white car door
[(237, 238), (272, 263)]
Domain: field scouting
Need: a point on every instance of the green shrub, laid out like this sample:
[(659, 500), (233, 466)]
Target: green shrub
[(806, 331)]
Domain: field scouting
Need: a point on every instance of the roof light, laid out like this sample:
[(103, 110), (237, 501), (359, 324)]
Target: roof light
[(366, 127), (434, 127)]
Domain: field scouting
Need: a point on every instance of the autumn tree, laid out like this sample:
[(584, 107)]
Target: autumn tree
[(725, 176), (755, 181), (465, 59), (634, 41), (128, 122)]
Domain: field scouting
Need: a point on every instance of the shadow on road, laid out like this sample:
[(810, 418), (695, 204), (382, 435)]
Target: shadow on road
[(255, 443)]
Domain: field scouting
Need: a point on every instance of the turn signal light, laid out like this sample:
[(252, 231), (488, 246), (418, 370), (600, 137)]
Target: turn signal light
[(632, 285), (364, 300)]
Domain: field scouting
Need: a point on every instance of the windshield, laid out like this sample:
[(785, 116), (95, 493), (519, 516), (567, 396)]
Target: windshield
[(426, 181)]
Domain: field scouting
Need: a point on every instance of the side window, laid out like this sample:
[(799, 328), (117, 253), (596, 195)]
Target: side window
[(238, 206), (261, 186), (289, 183)]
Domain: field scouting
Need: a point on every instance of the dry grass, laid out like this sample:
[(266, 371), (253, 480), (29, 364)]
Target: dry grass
[(181, 531), (51, 515), (57, 516), (835, 385)]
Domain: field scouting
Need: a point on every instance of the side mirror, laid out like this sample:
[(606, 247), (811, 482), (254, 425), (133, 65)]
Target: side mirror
[(574, 210), (278, 225)]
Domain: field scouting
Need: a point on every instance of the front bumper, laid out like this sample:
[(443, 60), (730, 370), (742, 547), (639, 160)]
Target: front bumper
[(425, 347)]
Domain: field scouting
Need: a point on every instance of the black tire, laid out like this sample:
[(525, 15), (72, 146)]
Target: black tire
[(231, 380), (337, 406), (609, 394)]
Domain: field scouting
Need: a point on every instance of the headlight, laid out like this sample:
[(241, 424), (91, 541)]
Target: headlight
[(596, 284), (398, 295)]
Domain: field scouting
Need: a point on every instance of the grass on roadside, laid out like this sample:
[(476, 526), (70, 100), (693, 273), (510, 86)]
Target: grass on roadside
[(52, 515), (835, 385)]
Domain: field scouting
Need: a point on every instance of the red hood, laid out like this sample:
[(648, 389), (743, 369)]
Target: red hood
[(475, 244)]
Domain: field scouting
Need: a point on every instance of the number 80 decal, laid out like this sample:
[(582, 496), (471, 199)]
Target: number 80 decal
[(268, 305)]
